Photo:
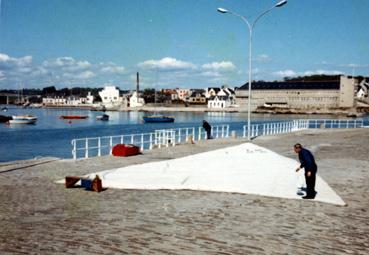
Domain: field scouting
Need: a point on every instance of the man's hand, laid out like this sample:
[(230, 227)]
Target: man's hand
[(308, 174)]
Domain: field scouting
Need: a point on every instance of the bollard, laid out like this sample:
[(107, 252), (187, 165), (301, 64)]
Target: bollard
[(190, 139), (233, 134)]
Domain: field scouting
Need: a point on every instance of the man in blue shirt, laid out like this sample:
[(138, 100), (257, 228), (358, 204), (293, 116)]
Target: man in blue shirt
[(308, 163)]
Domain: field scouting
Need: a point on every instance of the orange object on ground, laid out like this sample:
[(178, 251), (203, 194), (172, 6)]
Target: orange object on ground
[(71, 180), (96, 184), (124, 150)]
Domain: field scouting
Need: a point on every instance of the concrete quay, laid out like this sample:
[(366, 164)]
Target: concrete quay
[(39, 216)]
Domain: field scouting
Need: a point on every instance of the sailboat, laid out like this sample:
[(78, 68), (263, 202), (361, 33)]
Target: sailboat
[(158, 118)]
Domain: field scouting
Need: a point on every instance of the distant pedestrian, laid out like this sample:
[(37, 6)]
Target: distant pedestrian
[(308, 163), (207, 128)]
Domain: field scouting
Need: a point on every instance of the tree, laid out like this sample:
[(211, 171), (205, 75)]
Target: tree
[(149, 95), (48, 90)]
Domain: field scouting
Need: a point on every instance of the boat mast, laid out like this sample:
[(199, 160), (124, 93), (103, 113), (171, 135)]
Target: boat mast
[(137, 85)]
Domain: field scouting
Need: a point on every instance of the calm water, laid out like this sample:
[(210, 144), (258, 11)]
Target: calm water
[(51, 136)]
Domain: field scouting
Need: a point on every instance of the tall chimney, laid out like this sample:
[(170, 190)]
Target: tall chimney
[(137, 84)]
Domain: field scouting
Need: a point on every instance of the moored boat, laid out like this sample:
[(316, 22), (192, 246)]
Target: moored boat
[(73, 117), (23, 119), (103, 117), (158, 119), (4, 118)]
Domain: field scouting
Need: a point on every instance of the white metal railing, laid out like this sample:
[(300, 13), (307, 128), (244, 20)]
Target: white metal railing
[(334, 123), (98, 146), (275, 128), (295, 125)]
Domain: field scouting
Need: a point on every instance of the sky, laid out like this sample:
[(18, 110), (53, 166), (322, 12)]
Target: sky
[(177, 43)]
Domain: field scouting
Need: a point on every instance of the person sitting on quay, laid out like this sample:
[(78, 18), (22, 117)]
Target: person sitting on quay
[(308, 163)]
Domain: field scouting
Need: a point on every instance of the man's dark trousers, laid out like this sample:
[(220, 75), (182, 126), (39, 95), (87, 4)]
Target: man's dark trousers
[(310, 184), (208, 133)]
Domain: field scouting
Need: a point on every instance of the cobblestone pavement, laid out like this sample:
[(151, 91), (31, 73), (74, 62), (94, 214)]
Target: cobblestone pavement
[(39, 216)]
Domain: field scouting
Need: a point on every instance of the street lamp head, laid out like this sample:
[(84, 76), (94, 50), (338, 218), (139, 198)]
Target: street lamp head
[(222, 10), (281, 3)]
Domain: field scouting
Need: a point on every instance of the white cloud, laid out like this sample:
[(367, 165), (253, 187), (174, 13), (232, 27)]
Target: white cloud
[(263, 58), (219, 66), (112, 68), (285, 73), (39, 71), (167, 64), (4, 57), (291, 73), (85, 75), (210, 74), (327, 72), (2, 75), (79, 76), (67, 64), (7, 62)]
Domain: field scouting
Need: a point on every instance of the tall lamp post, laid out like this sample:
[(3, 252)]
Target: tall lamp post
[(251, 28)]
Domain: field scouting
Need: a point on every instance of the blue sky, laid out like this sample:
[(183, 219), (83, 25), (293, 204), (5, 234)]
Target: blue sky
[(176, 43)]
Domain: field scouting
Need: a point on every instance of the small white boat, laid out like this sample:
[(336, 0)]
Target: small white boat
[(103, 117), (23, 119)]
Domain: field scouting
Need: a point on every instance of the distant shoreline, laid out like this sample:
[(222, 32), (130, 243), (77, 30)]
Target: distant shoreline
[(350, 112)]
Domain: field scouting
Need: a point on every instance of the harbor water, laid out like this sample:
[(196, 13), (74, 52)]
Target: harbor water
[(51, 136)]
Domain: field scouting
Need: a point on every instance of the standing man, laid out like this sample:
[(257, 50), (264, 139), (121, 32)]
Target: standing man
[(308, 163), (207, 128)]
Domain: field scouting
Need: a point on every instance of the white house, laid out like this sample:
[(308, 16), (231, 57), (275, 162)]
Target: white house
[(54, 101), (68, 101), (183, 94), (90, 98), (110, 96), (362, 94), (135, 100), (224, 98), (211, 92)]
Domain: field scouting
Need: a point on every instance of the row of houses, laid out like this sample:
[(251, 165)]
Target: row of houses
[(213, 97), (341, 92), (111, 97)]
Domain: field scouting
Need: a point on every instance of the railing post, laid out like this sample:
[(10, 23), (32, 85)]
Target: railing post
[(142, 142), (150, 146), (222, 131), (132, 139), (159, 139), (186, 135), (217, 131), (121, 139), (199, 134), (111, 145), (179, 136), (244, 131), (193, 134), (86, 148), (74, 150), (99, 147), (173, 140), (227, 131)]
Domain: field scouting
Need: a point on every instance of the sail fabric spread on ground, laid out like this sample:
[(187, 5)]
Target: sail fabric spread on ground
[(246, 168)]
